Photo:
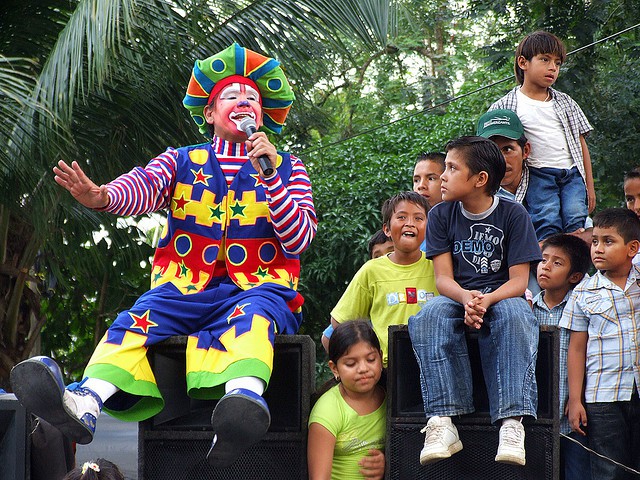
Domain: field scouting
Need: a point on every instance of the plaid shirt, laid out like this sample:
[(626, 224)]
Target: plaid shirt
[(521, 191), (546, 316), (608, 314), (573, 120)]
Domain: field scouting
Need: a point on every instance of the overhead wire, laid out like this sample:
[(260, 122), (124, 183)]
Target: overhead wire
[(453, 99), (603, 457)]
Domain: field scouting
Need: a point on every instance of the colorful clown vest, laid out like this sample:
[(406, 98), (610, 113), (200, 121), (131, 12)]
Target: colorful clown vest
[(210, 227)]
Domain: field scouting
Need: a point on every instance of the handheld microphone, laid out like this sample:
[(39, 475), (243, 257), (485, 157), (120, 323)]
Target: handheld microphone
[(248, 126)]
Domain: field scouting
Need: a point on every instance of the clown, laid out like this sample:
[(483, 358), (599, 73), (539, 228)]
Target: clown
[(225, 271)]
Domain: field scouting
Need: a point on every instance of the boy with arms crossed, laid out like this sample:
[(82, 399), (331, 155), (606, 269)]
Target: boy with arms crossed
[(604, 358), (389, 289), (561, 192), (565, 261), (481, 247)]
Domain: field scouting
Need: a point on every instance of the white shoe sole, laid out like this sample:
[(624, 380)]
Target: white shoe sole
[(436, 456), (511, 459)]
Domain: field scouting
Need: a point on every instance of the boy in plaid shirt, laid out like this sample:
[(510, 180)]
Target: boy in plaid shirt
[(604, 358), (561, 192), (565, 261)]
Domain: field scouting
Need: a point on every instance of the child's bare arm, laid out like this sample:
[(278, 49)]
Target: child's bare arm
[(321, 444), (576, 365), (591, 190), (445, 283), (514, 287)]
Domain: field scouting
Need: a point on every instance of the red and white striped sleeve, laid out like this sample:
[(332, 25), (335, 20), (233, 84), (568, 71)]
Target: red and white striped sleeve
[(143, 190), (293, 214)]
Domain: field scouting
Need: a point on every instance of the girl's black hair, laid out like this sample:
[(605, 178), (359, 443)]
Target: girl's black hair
[(344, 337), (348, 334)]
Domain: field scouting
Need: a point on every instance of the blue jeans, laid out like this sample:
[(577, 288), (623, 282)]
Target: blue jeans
[(556, 200), (508, 342), (575, 461), (614, 431)]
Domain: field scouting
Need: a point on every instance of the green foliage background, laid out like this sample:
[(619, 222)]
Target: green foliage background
[(376, 82)]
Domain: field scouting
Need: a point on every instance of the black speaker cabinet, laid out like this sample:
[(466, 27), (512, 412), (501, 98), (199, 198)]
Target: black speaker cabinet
[(476, 460), (405, 419), (14, 446), (173, 444)]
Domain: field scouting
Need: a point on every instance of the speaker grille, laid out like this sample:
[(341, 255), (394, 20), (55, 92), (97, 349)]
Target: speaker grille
[(174, 459), (173, 445), (14, 442), (475, 461), (405, 419)]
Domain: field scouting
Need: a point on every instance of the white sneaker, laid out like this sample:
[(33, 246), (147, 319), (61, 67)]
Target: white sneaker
[(441, 440), (81, 403), (511, 446)]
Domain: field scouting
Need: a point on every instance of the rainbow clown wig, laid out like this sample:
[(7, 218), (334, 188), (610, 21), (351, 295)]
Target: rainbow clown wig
[(237, 64)]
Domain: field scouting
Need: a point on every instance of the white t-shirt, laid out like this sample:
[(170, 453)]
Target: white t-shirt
[(543, 129)]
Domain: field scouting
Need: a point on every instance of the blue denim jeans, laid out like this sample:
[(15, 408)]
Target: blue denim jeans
[(556, 200), (575, 461), (614, 431), (508, 342)]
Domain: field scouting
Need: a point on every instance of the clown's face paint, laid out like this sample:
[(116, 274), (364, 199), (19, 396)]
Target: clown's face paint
[(234, 102)]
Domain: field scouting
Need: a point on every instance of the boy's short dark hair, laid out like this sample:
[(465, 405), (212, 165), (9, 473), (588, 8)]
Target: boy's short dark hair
[(389, 206), (574, 247), (376, 239), (481, 154), (435, 157), (536, 43), (631, 174), (625, 221)]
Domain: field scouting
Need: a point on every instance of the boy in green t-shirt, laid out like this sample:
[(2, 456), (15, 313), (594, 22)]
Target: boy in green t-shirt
[(389, 289)]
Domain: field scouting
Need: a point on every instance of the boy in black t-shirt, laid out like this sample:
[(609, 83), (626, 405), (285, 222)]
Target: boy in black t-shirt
[(481, 247)]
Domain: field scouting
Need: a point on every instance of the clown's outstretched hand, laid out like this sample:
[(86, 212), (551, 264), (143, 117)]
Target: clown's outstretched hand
[(80, 186)]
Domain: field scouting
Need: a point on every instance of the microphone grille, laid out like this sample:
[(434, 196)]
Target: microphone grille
[(247, 122)]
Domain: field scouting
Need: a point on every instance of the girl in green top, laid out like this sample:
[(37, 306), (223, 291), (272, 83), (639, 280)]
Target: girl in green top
[(347, 424)]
